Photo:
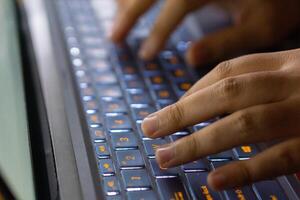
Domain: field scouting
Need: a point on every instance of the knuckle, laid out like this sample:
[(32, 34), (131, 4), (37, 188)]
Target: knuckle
[(229, 88), (287, 158), (176, 113), (224, 69), (245, 124), (192, 146), (245, 173)]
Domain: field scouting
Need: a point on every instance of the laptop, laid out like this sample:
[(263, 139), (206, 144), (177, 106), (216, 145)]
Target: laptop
[(96, 95)]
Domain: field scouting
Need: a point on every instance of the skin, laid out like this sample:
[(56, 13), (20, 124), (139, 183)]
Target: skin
[(249, 90), (257, 24)]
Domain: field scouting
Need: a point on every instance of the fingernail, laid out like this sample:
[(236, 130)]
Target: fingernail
[(147, 50), (150, 125), (217, 180), (164, 155)]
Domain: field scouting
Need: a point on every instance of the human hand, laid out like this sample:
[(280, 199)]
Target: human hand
[(261, 95), (256, 24)]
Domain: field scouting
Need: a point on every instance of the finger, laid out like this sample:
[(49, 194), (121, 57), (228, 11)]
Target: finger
[(170, 16), (242, 127), (238, 66), (226, 96), (227, 43), (127, 17), (278, 160)]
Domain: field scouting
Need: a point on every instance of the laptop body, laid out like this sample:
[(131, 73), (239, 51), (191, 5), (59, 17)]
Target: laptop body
[(95, 95)]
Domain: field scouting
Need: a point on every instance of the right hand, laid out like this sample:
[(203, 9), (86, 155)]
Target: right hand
[(257, 24)]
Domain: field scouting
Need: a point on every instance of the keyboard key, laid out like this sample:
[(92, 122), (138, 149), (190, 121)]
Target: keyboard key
[(94, 119), (217, 164), (198, 165), (114, 106), (138, 98), (141, 195), (141, 113), (119, 122), (106, 167), (171, 188), (173, 138), (165, 94), (109, 91), (152, 145), (87, 91), (130, 158), (225, 155), (162, 173), (111, 185), (123, 140), (201, 125), (129, 70), (105, 78), (102, 150), (158, 80), (199, 188), (134, 84), (246, 151), (184, 86), (178, 73), (170, 59), (240, 193), (136, 178), (98, 134), (91, 105), (269, 190), (151, 68), (99, 65), (115, 197)]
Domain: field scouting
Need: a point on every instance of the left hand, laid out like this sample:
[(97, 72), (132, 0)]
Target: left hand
[(261, 94)]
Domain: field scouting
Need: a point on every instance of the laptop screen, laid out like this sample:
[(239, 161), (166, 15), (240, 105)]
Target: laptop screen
[(15, 159)]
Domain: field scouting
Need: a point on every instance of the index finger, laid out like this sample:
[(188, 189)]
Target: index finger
[(129, 12)]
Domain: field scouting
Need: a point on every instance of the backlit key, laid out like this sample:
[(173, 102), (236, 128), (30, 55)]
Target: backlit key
[(102, 150), (109, 91), (114, 106), (269, 190), (138, 98), (225, 155), (97, 134), (199, 187), (164, 94), (111, 186), (106, 167), (134, 84), (245, 193), (246, 151), (135, 179), (142, 113), (130, 158), (171, 188), (198, 165), (162, 173), (119, 122), (105, 78), (152, 145), (124, 140), (141, 195)]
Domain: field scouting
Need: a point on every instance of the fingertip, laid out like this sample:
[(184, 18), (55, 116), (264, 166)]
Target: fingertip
[(217, 180), (149, 49), (197, 55), (150, 125)]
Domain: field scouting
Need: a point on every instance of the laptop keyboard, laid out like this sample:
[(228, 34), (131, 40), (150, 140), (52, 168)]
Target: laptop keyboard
[(117, 91)]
